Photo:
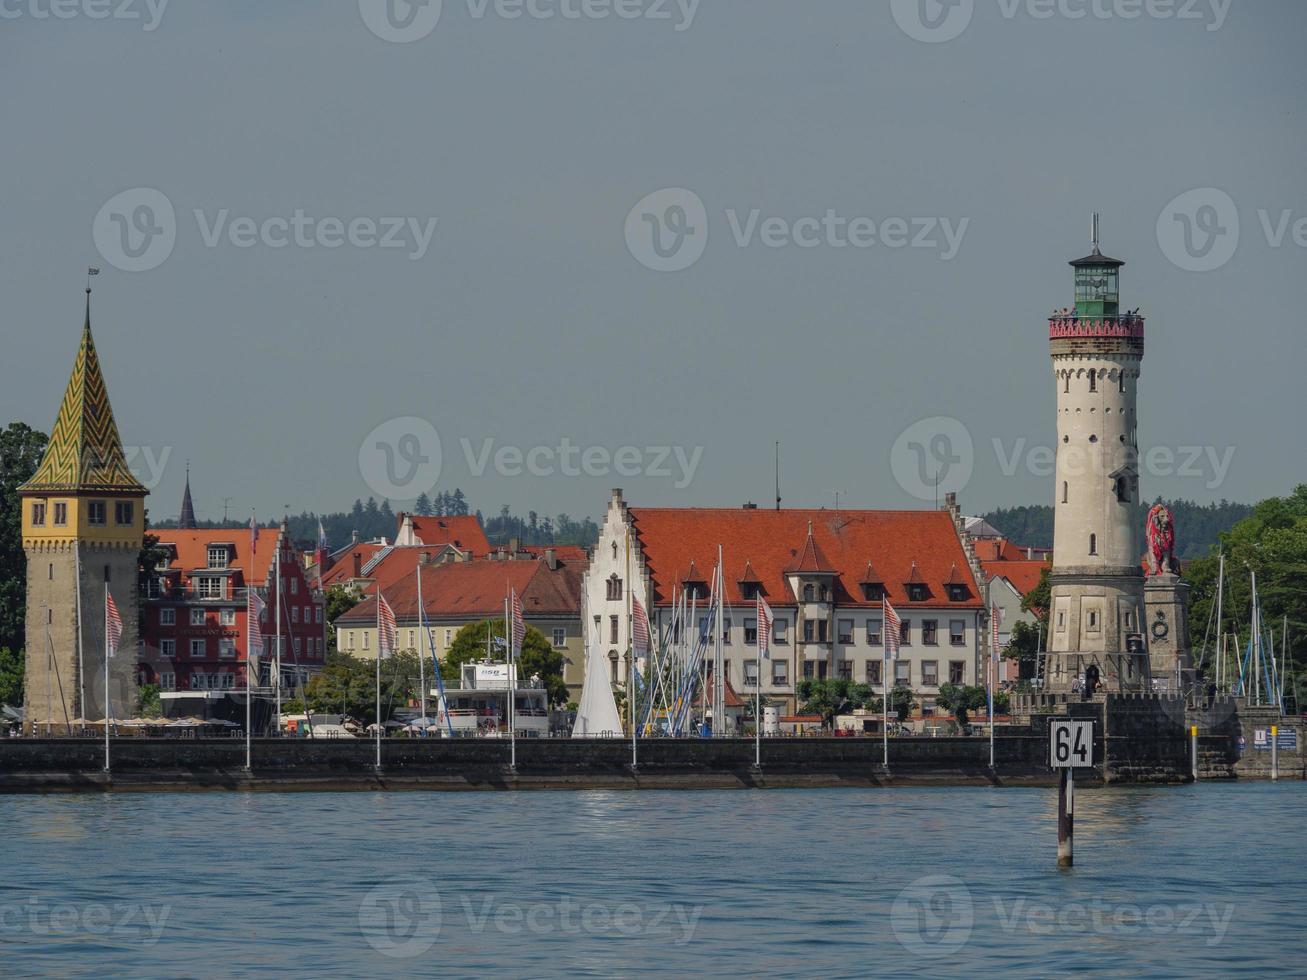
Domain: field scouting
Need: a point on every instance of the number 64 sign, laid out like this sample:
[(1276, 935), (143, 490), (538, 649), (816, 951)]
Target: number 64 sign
[(1070, 743)]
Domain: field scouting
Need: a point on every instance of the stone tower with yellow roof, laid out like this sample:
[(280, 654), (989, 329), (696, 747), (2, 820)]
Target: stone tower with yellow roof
[(83, 526)]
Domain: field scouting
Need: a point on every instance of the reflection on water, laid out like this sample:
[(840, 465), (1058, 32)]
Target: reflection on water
[(1179, 880)]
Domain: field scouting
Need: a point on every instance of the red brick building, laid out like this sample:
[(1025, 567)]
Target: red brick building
[(196, 634)]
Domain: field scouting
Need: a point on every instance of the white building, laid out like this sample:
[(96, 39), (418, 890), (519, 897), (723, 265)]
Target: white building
[(824, 574)]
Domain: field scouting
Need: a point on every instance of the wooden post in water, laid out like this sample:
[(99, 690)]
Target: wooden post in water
[(1193, 750), (1065, 818), (1274, 753)]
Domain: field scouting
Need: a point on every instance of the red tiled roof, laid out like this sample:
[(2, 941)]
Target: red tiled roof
[(732, 699), (475, 589), (464, 532), (812, 559), (1001, 549), (674, 539), (1024, 575), (192, 549), (563, 552)]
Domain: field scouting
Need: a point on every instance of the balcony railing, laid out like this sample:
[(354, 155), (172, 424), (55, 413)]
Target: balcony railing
[(1071, 327)]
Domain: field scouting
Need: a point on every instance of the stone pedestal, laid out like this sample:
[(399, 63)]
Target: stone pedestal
[(1166, 631)]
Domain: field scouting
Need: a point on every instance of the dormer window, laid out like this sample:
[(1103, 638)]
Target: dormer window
[(750, 590), (808, 592), (957, 593), (916, 593), (873, 591), (217, 556)]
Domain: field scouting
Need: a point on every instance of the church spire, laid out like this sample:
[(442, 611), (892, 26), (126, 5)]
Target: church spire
[(187, 519), (85, 450)]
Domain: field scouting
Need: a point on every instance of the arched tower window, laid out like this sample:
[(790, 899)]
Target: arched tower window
[(614, 587), (1122, 381), (1093, 380), (1066, 383), (1064, 491)]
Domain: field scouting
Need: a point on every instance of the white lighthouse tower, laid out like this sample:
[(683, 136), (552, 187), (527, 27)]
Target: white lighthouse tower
[(1097, 583)]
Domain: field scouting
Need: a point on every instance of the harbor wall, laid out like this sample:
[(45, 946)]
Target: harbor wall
[(45, 765)]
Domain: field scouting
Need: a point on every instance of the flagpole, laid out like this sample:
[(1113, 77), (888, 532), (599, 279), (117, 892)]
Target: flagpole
[(508, 660), (884, 683), (989, 676), (630, 646), (378, 732), (277, 569), (106, 677), (251, 624), (422, 670), (757, 693)]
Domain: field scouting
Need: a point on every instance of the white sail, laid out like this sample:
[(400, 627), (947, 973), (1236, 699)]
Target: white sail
[(597, 713)]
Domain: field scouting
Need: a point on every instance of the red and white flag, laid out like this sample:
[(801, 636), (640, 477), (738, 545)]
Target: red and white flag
[(639, 628), (517, 631), (387, 630), (254, 606), (765, 620), (893, 629), (995, 618), (254, 535), (113, 624)]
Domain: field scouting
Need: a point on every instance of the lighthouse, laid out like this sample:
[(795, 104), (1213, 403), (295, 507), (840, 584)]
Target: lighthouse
[(1097, 585)]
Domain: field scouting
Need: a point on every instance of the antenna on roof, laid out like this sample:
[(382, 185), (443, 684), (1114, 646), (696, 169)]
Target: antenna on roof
[(1093, 232), (778, 474)]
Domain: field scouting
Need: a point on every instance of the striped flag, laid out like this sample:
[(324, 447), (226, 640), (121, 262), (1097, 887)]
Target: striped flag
[(254, 606), (254, 535), (995, 618), (764, 628), (387, 631), (639, 628), (113, 624), (893, 628), (518, 627)]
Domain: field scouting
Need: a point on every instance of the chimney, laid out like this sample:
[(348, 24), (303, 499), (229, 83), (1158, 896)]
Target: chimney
[(514, 546), (750, 506), (551, 559), (353, 537), (405, 535), (358, 565)]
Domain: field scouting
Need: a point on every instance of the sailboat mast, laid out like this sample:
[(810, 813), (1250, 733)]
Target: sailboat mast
[(422, 671)]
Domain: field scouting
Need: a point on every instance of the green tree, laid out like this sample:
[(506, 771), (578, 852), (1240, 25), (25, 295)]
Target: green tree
[(1272, 542), (340, 599), (902, 702), (11, 676), (148, 702), (538, 657), (829, 698), (348, 686), (21, 449), (961, 700)]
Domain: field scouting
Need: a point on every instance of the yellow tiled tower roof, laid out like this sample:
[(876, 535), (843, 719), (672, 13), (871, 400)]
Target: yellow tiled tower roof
[(85, 451)]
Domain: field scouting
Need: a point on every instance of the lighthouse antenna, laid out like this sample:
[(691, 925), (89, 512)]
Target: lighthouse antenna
[(1093, 232)]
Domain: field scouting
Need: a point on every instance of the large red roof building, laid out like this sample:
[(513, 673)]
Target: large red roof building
[(824, 573)]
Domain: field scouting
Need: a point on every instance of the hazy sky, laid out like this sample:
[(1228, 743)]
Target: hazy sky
[(931, 188)]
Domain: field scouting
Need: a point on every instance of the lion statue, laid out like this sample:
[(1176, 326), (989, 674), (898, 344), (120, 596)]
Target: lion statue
[(1159, 530)]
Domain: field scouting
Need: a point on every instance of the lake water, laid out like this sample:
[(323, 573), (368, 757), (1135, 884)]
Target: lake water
[(1199, 880)]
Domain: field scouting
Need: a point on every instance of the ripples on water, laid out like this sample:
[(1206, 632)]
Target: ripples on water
[(830, 882)]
